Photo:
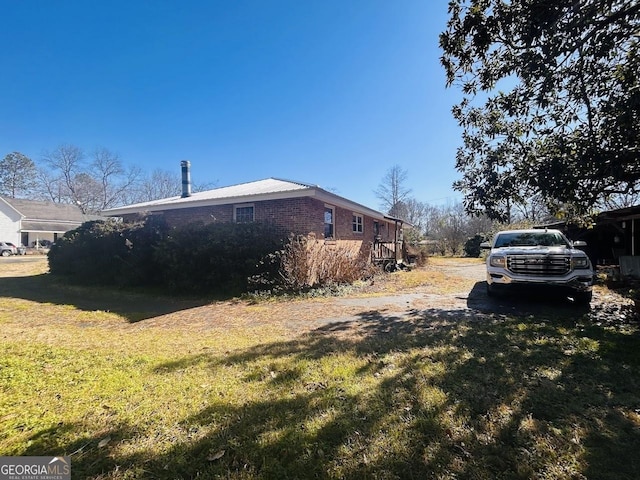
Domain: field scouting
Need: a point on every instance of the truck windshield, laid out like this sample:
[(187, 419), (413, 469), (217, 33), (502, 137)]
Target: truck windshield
[(530, 239)]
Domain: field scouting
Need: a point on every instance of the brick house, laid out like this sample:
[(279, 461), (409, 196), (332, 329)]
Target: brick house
[(291, 207)]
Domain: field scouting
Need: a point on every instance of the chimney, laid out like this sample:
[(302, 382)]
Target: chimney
[(186, 178)]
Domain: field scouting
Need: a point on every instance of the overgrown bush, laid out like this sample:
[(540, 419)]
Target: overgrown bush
[(108, 253), (214, 258), (417, 254), (307, 262), (218, 257), (472, 246)]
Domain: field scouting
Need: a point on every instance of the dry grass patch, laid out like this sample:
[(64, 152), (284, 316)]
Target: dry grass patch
[(441, 275)]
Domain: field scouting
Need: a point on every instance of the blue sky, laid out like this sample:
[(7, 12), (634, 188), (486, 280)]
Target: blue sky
[(327, 92)]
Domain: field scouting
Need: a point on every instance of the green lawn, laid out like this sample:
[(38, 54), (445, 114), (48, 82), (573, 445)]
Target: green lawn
[(436, 395)]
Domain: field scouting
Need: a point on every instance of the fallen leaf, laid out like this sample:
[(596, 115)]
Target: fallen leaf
[(104, 442), (216, 456)]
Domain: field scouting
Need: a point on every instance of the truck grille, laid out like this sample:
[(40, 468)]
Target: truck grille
[(539, 264)]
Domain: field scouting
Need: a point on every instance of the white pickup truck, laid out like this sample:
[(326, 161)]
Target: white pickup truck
[(538, 257)]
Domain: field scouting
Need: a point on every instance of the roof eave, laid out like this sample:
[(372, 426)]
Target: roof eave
[(308, 191), (208, 202), (12, 207)]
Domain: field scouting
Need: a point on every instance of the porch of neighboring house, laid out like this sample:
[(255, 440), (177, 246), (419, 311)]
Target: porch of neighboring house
[(38, 234), (39, 239)]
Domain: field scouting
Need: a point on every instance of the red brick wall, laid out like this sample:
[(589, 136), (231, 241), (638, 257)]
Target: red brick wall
[(300, 216)]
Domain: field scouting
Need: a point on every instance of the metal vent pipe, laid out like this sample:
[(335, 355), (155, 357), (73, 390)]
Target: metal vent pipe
[(186, 178)]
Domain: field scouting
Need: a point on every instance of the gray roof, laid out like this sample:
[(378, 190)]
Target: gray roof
[(58, 212), (267, 189), (37, 226), (249, 189)]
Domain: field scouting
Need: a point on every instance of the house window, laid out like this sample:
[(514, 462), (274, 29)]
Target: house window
[(376, 228), (243, 213), (329, 220), (357, 223)]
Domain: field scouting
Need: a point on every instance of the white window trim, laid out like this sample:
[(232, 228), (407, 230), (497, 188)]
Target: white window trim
[(244, 205), (353, 224)]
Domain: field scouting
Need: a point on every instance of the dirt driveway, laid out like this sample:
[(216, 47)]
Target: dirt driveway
[(372, 303), (445, 290)]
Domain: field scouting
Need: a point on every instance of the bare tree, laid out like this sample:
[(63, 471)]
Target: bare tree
[(202, 187), (531, 208), (49, 187), (453, 230), (17, 175), (158, 184), (431, 220), (614, 202), (86, 192), (93, 184), (66, 162), (115, 181), (392, 191), (480, 225), (449, 226)]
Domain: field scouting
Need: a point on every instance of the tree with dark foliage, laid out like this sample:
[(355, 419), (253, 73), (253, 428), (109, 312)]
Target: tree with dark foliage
[(551, 101), (17, 174)]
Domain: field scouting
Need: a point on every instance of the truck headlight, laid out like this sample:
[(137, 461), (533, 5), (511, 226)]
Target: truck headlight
[(497, 261), (580, 262)]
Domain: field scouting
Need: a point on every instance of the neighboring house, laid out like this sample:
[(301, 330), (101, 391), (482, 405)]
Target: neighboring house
[(616, 237), (291, 207), (619, 232), (32, 222)]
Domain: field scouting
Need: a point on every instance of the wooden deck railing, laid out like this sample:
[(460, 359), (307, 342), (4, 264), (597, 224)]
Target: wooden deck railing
[(383, 251)]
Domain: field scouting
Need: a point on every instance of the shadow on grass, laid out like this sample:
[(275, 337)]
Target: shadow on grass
[(524, 301), (480, 396), (134, 306)]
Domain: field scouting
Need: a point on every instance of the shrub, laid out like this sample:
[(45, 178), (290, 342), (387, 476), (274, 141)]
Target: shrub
[(218, 257), (472, 246), (214, 258), (419, 254), (195, 258), (108, 253), (307, 262)]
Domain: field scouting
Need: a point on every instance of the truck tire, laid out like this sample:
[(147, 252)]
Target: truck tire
[(582, 298)]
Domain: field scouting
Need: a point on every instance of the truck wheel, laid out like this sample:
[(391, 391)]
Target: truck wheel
[(582, 298), (6, 253)]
